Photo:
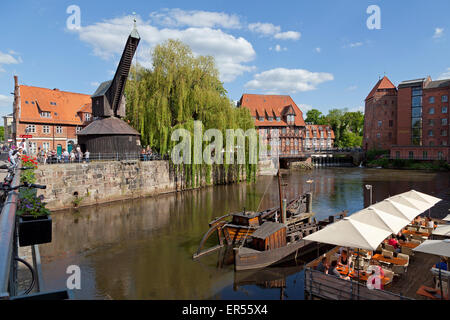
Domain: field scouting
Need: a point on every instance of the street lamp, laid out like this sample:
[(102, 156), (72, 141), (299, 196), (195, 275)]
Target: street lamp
[(369, 187)]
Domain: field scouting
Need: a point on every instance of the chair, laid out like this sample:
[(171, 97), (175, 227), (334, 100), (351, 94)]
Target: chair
[(405, 257), (398, 270), (388, 274), (387, 253), (389, 247), (406, 250)]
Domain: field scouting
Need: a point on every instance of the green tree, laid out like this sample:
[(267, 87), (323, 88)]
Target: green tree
[(2, 133)]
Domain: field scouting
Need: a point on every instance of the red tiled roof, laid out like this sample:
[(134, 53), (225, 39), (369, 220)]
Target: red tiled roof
[(63, 106), (261, 105), (316, 127), (383, 83)]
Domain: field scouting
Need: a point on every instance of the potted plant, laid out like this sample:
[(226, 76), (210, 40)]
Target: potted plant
[(35, 223)]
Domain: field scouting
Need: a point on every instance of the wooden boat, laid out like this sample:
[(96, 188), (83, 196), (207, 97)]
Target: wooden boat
[(273, 243)]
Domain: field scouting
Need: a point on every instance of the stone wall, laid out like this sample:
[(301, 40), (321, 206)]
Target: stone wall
[(84, 184)]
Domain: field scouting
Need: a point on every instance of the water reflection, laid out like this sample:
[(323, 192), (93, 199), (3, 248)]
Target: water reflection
[(142, 249)]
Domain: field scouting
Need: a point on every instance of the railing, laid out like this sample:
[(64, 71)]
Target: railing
[(103, 157), (9, 255), (431, 158), (329, 287)]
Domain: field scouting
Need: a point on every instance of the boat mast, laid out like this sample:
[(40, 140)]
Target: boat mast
[(281, 194)]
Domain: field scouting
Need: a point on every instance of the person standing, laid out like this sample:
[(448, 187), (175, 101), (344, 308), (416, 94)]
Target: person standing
[(86, 155), (66, 156), (72, 156)]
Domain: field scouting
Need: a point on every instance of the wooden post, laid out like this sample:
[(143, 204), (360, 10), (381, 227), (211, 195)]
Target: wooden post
[(281, 193), (309, 202), (283, 212)]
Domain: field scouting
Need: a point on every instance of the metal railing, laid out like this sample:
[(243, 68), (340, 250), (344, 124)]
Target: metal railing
[(103, 157)]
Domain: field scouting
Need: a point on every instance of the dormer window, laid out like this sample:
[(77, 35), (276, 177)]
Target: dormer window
[(261, 119), (45, 114), (87, 116), (278, 119), (270, 118)]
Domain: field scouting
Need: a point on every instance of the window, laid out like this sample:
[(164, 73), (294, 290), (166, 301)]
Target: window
[(380, 123), (444, 121), (78, 129), (444, 142), (270, 118), (26, 102), (31, 128), (59, 129), (45, 129), (87, 116), (430, 133), (296, 130), (444, 109), (444, 99), (261, 119), (417, 101), (431, 99), (411, 155), (32, 102), (33, 147), (397, 154), (391, 123), (416, 112), (425, 155), (444, 133), (431, 143), (45, 114), (278, 119), (390, 135), (378, 135), (46, 146), (431, 122), (431, 111), (440, 155)]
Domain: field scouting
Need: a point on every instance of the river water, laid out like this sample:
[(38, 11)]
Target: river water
[(142, 249)]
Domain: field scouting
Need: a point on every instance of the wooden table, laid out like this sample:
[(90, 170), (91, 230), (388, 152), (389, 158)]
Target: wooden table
[(362, 277), (417, 233), (396, 261), (423, 292), (409, 244)]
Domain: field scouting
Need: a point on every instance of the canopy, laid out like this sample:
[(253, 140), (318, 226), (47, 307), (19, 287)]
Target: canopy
[(437, 247), (442, 230), (380, 219), (350, 233), (367, 228)]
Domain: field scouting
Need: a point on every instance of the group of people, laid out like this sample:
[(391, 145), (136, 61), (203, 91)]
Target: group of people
[(146, 154), (51, 156)]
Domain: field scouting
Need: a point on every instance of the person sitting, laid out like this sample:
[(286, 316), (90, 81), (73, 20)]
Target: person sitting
[(333, 271), (430, 223), (401, 236), (393, 242), (323, 265), (344, 259), (442, 264)]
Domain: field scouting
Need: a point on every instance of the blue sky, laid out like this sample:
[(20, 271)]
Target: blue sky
[(319, 52)]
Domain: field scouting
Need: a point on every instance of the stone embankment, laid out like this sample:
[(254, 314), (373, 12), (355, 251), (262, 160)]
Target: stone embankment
[(81, 184)]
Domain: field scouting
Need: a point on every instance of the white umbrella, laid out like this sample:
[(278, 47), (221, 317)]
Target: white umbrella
[(350, 233), (421, 197), (442, 230), (397, 209), (447, 218), (410, 202), (437, 247), (380, 219)]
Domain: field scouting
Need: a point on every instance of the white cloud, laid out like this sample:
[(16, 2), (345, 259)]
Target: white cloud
[(444, 75), (268, 29), (8, 58), (355, 44), (288, 35), (195, 18), (231, 53), (305, 107), (438, 33), (278, 48), (318, 50), (281, 80), (352, 88), (6, 101)]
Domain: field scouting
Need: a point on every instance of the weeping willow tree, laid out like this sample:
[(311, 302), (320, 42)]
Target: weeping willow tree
[(178, 90)]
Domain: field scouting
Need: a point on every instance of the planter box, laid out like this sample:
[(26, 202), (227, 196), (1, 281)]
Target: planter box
[(34, 230)]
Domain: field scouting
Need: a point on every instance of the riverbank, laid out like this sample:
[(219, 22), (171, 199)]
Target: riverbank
[(401, 164), (83, 184)]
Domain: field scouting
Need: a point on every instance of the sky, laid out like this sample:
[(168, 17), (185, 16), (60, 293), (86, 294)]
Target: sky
[(321, 53)]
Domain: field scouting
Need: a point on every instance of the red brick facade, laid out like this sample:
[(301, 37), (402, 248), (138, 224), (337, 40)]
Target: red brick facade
[(419, 110), (50, 116)]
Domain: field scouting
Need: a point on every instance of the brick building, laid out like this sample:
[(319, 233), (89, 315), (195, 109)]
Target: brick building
[(420, 128), (49, 117), (277, 114), (380, 116), (318, 137)]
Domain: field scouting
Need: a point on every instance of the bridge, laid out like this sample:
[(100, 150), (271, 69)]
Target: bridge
[(324, 157)]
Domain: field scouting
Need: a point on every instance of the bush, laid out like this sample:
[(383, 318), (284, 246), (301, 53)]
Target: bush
[(376, 154)]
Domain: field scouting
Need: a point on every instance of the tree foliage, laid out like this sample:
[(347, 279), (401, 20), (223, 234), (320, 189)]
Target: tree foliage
[(178, 90), (347, 126)]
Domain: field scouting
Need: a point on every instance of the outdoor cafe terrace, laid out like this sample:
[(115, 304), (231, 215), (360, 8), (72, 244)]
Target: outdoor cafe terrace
[(409, 272)]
